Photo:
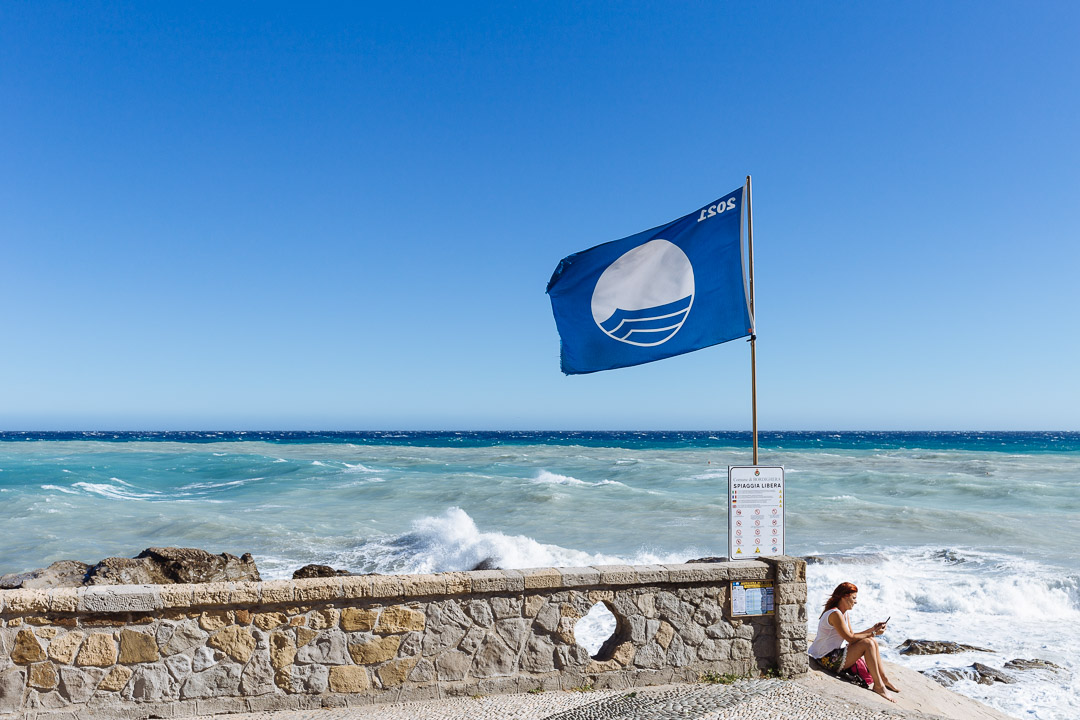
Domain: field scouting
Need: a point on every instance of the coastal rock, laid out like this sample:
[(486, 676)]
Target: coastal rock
[(166, 566), (977, 672), (317, 571), (62, 573), (487, 564), (1021, 664), (710, 559), (936, 647)]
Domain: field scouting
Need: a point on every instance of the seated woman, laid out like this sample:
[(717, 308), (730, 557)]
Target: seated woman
[(834, 630)]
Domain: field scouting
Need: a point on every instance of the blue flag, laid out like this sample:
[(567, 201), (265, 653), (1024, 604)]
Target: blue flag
[(660, 293)]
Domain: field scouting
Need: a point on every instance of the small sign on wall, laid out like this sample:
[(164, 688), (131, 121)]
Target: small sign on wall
[(752, 597), (755, 511)]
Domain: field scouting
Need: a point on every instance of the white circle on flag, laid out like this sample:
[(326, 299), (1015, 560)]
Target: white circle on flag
[(645, 296)]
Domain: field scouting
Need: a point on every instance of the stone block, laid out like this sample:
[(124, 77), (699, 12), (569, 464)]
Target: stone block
[(119, 598), (616, 574), (506, 607), (305, 635), (246, 593), (215, 619), (358, 619), (452, 665), (269, 620), (457, 583), (494, 657), (747, 570), (394, 672), (423, 672), (665, 634), (42, 676), (137, 647), (12, 687), (480, 612), (651, 574), (580, 577), (423, 585), (328, 648), (26, 649), (257, 677), (488, 581), (541, 578), (399, 619), (98, 650), (235, 640), (63, 648), (116, 679), (316, 589), (791, 614), (185, 635), (176, 596), (221, 680), (354, 587), (349, 679), (26, 601), (211, 594), (790, 593), (539, 655), (282, 649), (322, 619), (375, 651), (78, 684), (63, 600), (278, 592), (149, 683), (205, 658), (386, 586), (532, 605)]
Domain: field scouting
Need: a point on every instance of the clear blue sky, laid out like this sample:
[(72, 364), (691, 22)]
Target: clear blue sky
[(343, 216)]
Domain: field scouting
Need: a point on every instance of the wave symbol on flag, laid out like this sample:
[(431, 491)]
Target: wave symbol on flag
[(645, 296)]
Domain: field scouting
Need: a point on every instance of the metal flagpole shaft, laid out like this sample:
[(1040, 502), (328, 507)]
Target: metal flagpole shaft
[(753, 331)]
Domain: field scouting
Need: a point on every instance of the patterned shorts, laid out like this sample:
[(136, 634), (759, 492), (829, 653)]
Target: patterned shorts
[(835, 660)]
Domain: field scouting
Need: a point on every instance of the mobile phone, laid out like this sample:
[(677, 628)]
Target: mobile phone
[(887, 620)]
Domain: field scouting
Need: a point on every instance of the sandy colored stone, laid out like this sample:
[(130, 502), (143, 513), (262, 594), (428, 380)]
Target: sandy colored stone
[(356, 619), (282, 651), (26, 601), (533, 603), (243, 617), (304, 636), (356, 586), (269, 620), (63, 648), (323, 619), (176, 596), (116, 679), (349, 679), (245, 593), (98, 650), (235, 640), (63, 600), (376, 651), (622, 657), (665, 634), (14, 622), (457, 583), (43, 676), (277, 591), (48, 632), (137, 647), (210, 594), (394, 673), (312, 589), (399, 619), (298, 620), (215, 620), (27, 649)]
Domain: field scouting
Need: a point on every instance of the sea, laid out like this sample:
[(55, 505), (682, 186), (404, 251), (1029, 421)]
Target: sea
[(965, 536)]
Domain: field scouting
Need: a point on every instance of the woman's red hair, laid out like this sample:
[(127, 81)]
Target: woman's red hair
[(842, 590)]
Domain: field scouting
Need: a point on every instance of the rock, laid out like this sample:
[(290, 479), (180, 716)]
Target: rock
[(221, 680), (282, 650), (480, 613), (116, 679), (376, 651), (258, 676), (137, 647), (78, 684), (513, 631), (950, 557), (203, 660), (43, 676), (411, 644), (322, 619), (493, 658), (234, 640), (27, 649), (12, 685), (329, 648), (312, 679), (164, 566), (936, 647), (1021, 664), (62, 573), (304, 636), (358, 620), (982, 674), (179, 665), (452, 665), (487, 564), (710, 559), (271, 620), (539, 655), (423, 672), (398, 619), (151, 682), (317, 571), (184, 636), (989, 675), (394, 672), (348, 679)]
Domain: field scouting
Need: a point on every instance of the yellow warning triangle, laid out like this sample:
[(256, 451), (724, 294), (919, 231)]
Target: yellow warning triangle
[(757, 550), (739, 551)]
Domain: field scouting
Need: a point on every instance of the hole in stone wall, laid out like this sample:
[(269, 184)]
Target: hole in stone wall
[(595, 629)]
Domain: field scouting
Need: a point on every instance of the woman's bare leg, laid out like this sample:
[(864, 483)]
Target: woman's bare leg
[(877, 655), (867, 649)]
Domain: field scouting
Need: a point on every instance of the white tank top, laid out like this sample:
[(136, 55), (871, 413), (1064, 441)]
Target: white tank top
[(828, 639)]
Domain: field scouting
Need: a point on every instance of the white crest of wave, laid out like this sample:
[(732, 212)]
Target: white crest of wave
[(545, 477), (112, 492), (452, 541)]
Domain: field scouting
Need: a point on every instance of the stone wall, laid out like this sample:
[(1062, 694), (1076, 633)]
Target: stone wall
[(175, 650)]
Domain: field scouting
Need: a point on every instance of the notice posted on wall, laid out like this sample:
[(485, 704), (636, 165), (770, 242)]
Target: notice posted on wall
[(755, 511), (751, 597)]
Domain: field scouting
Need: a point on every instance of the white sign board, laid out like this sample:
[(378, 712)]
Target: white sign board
[(755, 512)]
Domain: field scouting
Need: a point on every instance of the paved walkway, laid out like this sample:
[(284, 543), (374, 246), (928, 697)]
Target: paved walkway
[(745, 699)]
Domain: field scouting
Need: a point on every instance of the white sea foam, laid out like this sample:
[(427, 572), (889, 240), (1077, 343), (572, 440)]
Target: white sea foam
[(544, 477), (114, 493), (69, 491)]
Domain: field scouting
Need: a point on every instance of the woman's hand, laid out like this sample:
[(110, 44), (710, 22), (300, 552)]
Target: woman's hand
[(878, 629)]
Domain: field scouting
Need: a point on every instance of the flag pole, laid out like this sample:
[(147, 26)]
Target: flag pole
[(753, 330)]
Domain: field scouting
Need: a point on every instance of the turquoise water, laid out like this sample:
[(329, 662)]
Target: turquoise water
[(967, 536)]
